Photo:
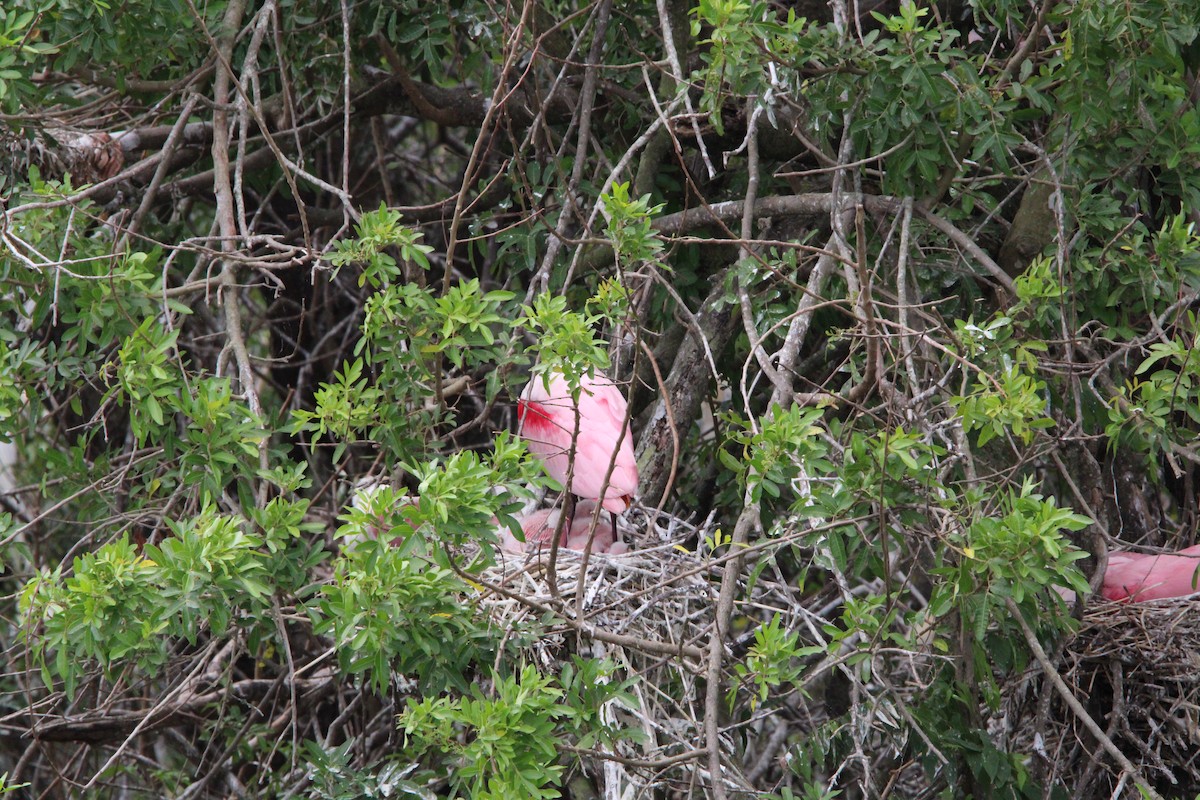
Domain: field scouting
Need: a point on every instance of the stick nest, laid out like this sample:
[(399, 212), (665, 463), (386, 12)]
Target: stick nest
[(1135, 667), (661, 596)]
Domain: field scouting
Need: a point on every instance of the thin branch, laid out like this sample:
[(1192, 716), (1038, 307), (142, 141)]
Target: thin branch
[(174, 139), (587, 102), (681, 85), (624, 640), (749, 516)]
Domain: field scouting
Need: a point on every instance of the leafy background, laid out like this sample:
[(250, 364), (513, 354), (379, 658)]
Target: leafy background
[(904, 299)]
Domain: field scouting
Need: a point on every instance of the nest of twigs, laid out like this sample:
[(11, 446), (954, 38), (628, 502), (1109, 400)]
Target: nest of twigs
[(1135, 668), (659, 590), (649, 610)]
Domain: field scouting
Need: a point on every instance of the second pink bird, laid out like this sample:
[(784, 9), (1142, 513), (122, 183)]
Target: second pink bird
[(547, 423), (1142, 576)]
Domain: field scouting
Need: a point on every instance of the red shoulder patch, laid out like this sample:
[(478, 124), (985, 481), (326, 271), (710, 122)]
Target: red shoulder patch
[(530, 413)]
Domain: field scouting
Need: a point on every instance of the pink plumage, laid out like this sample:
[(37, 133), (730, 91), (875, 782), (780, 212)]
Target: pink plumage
[(1140, 576), (539, 528), (547, 418)]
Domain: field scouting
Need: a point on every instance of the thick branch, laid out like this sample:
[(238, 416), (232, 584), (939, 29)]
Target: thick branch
[(110, 725), (817, 204), (687, 384)]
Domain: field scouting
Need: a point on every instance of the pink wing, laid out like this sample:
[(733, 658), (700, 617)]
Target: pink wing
[(1170, 576), (537, 526), (581, 526), (603, 407), (1125, 575), (1139, 576), (548, 421)]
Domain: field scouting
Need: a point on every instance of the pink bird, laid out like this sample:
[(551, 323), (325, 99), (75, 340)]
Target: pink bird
[(539, 528), (547, 418), (1141, 576)]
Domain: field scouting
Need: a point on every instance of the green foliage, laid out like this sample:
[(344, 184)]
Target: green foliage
[(221, 439), (1018, 554), (771, 662), (630, 226), (409, 334), (146, 379), (449, 41), (1006, 773), (1040, 296), (737, 33), (456, 503), (377, 231), (209, 570), (892, 468), (589, 686), (104, 301), (458, 325), (119, 606), (612, 300), (334, 778), (1155, 39), (13, 361), (1138, 274), (106, 612), (939, 86), (1012, 402), (19, 53), (787, 442), (866, 623), (117, 34), (806, 762), (394, 604), (1162, 408), (293, 550), (389, 613), (457, 497), (8, 788), (343, 408), (566, 340), (510, 750), (378, 512)]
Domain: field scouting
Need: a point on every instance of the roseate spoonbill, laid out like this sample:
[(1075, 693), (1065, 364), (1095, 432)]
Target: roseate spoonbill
[(1142, 576), (548, 419), (539, 527)]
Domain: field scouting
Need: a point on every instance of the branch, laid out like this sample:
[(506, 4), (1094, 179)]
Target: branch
[(817, 204), (749, 516), (111, 725), (141, 85), (687, 384), (175, 138), (587, 101), (226, 205)]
